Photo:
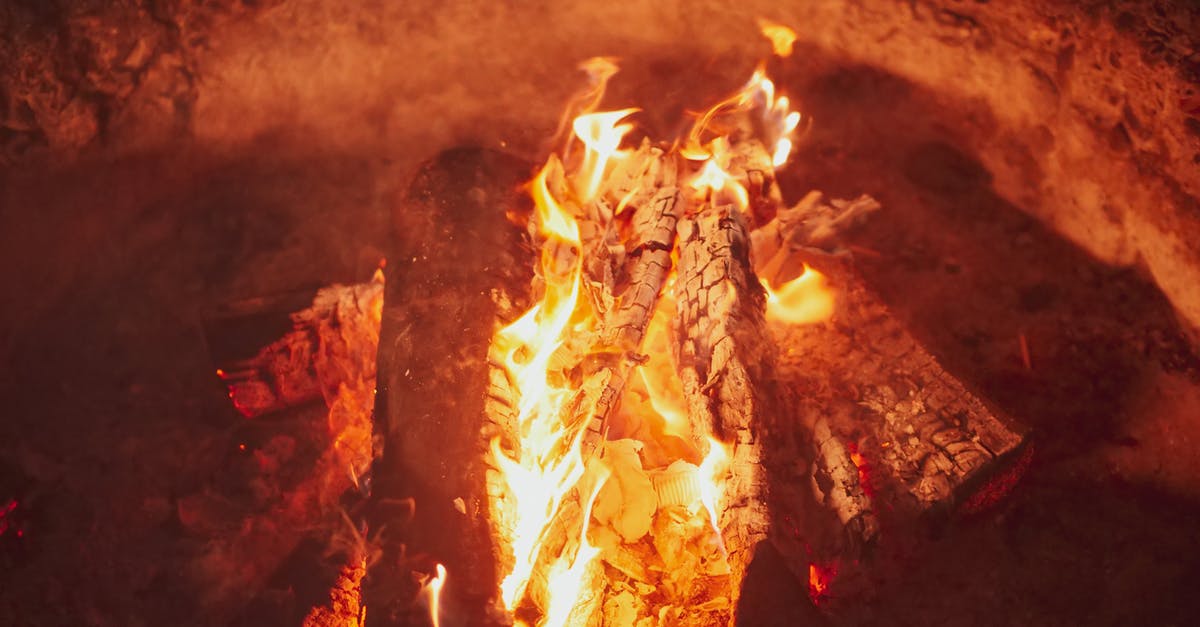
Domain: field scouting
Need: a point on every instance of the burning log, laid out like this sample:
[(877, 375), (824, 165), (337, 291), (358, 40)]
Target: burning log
[(895, 437), (329, 353), (725, 366), (625, 280), (449, 279)]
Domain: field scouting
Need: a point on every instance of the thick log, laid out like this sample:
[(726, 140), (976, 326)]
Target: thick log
[(649, 252), (894, 436), (725, 361), (914, 422), (455, 258)]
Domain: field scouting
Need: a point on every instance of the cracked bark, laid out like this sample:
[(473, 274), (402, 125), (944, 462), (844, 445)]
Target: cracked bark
[(725, 364), (895, 438)]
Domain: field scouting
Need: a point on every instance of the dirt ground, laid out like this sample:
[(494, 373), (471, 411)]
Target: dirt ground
[(113, 417)]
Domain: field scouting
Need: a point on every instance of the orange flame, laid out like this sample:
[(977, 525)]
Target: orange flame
[(658, 373), (566, 580), (778, 124), (819, 578), (538, 478), (602, 136), (549, 460), (599, 71), (782, 38), (803, 300), (712, 472), (712, 179), (434, 588)]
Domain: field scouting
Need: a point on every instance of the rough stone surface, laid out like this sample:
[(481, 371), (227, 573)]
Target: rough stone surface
[(1085, 113)]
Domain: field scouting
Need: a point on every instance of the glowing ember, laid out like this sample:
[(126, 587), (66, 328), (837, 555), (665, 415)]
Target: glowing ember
[(999, 485), (8, 508), (864, 469), (819, 579)]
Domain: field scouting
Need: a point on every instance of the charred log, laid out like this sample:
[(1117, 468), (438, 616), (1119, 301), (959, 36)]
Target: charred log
[(894, 436), (455, 256)]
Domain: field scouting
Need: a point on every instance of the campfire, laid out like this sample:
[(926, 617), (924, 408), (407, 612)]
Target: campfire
[(686, 371), (747, 325)]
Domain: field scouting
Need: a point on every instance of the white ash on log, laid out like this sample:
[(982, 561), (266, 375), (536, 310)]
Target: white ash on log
[(725, 363)]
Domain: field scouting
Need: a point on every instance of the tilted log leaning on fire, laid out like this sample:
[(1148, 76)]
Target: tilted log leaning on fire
[(725, 362), (894, 437)]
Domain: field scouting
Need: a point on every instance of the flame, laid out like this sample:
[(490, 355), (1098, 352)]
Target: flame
[(434, 588), (566, 580), (599, 71), (803, 300), (819, 578), (712, 473), (601, 134), (537, 478), (724, 168), (552, 219), (713, 178), (782, 38), (549, 460), (658, 373)]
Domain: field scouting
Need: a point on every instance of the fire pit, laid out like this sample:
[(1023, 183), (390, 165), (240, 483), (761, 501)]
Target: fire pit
[(657, 379)]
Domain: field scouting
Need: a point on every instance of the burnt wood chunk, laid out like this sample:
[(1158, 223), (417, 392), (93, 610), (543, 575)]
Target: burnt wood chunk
[(895, 438), (455, 258), (654, 238), (892, 436), (915, 423), (331, 341)]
